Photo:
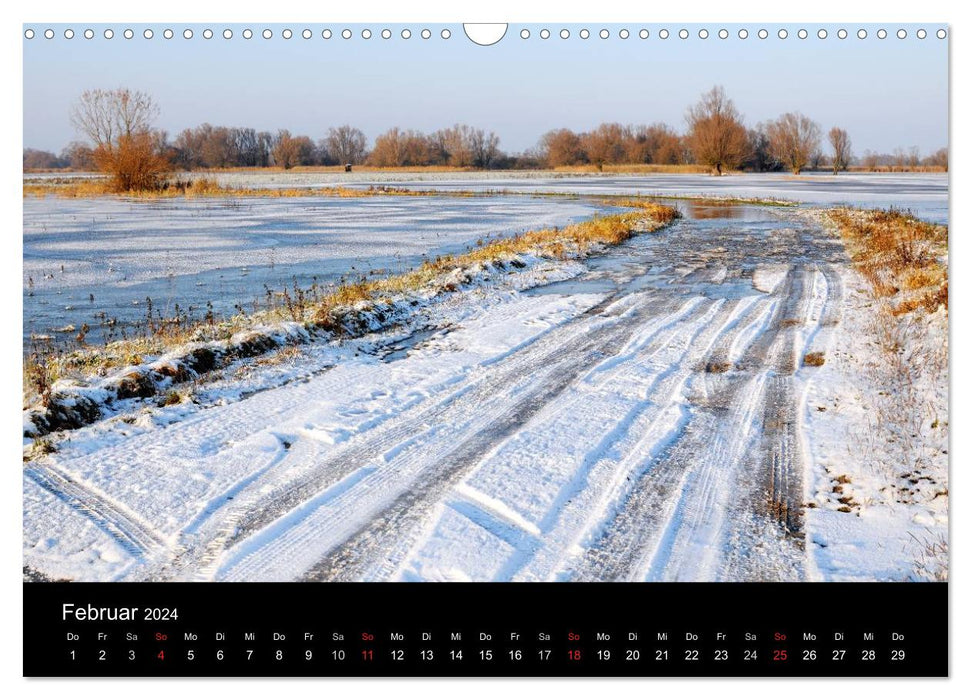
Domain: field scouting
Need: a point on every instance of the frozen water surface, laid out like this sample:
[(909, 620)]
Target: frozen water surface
[(83, 257), (923, 193)]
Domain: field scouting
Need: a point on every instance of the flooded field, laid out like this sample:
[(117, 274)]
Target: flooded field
[(90, 260), (109, 263), (923, 193)]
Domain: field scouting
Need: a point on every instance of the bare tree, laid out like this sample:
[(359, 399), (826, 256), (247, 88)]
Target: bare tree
[(793, 138), (106, 115), (388, 151), (454, 146), (899, 158), (716, 134), (938, 159), (484, 147), (871, 160), (216, 146), (347, 144), (913, 157), (607, 144), (264, 146), (657, 143), (840, 141), (79, 156), (306, 150), (460, 146), (759, 156), (35, 159), (416, 148)]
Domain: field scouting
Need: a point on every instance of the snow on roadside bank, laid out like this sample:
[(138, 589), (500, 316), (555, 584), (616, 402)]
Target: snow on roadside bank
[(877, 428), (73, 403)]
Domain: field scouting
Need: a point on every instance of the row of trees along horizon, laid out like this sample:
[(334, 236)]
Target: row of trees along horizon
[(122, 141)]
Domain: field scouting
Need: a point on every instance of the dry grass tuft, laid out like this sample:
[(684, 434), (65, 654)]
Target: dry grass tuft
[(39, 448), (170, 399), (288, 353), (932, 559), (814, 359), (70, 188), (903, 258)]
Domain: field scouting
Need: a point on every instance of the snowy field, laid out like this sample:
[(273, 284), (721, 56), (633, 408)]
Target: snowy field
[(84, 257), (642, 415)]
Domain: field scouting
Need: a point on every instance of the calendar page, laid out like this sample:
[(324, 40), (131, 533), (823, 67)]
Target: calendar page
[(390, 342)]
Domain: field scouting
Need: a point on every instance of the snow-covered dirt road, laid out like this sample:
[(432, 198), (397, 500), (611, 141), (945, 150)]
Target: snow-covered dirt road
[(639, 416)]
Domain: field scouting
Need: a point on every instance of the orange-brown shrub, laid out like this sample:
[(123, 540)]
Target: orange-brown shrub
[(134, 163)]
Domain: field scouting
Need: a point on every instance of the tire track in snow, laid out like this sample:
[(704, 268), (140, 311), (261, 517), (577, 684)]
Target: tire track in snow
[(299, 476), (781, 455), (769, 537), (432, 421), (389, 530), (606, 469), (831, 312), (134, 535), (675, 491), (659, 343), (692, 541)]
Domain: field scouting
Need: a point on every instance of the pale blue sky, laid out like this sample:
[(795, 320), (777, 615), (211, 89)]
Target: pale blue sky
[(886, 92)]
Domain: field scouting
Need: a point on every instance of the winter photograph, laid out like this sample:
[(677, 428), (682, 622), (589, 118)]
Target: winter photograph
[(403, 303)]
